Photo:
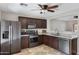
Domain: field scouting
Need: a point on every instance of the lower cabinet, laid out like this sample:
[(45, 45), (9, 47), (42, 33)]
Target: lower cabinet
[(54, 42), (51, 41), (40, 39), (67, 46), (73, 46), (45, 39), (24, 42)]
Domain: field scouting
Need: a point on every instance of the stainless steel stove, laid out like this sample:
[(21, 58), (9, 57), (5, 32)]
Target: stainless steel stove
[(33, 38)]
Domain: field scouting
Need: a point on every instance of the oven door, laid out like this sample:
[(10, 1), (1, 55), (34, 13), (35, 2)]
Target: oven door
[(33, 41)]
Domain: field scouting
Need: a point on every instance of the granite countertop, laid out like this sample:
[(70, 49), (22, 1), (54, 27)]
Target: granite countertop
[(67, 37)]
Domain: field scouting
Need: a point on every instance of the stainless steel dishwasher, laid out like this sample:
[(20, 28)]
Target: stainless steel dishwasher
[(64, 45)]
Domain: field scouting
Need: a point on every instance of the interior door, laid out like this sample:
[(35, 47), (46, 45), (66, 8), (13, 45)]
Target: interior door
[(5, 38)]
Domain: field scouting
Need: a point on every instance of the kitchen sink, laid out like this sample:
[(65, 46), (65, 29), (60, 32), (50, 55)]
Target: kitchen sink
[(62, 35)]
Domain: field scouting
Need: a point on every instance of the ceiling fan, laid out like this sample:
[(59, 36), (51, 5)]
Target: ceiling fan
[(43, 7), (48, 8)]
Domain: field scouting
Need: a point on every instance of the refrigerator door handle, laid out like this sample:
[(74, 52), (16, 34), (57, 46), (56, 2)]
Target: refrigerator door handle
[(10, 38), (9, 34)]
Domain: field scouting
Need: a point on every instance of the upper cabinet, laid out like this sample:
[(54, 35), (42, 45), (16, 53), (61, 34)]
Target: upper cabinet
[(23, 22), (39, 23), (44, 24)]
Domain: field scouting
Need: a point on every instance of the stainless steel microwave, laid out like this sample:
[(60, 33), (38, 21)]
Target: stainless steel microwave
[(31, 26)]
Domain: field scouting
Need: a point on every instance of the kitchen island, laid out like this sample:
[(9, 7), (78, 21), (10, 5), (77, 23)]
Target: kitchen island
[(64, 43)]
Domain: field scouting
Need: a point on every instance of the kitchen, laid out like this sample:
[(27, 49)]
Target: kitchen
[(60, 32)]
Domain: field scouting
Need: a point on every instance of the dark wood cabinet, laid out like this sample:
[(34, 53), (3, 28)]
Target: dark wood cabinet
[(40, 39), (73, 46), (24, 42), (25, 21), (38, 23), (31, 21), (44, 24), (46, 40), (51, 41), (54, 42)]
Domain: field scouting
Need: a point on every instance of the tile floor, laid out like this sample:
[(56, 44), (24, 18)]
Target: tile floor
[(40, 50)]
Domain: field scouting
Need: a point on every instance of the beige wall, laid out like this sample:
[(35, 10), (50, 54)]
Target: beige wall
[(70, 25), (9, 16), (55, 24)]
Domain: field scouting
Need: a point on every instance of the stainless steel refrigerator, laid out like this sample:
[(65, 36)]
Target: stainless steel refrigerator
[(10, 37)]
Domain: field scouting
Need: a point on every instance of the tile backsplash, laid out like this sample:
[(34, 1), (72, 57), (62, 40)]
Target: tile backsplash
[(39, 30)]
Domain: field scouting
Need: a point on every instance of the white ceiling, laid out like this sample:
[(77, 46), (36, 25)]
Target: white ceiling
[(29, 10)]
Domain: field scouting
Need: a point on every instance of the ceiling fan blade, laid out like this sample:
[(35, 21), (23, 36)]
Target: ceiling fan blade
[(40, 5), (55, 6), (51, 10)]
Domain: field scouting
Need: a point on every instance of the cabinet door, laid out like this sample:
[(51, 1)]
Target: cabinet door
[(44, 24), (40, 39), (46, 39), (31, 21), (54, 42), (74, 46), (38, 23), (24, 42), (24, 22)]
